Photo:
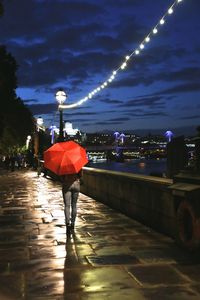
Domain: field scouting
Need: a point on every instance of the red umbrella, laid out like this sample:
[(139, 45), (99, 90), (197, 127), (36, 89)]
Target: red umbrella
[(65, 158)]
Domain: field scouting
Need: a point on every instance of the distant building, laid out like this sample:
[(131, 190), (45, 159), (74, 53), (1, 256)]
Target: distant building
[(99, 139), (69, 130)]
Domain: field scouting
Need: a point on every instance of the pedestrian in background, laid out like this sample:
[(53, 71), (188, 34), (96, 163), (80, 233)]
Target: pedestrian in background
[(12, 162), (70, 189), (7, 162)]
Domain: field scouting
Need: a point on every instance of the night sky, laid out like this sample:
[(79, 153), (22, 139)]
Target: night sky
[(77, 45)]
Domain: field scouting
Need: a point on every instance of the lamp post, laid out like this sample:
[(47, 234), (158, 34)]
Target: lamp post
[(28, 139), (38, 125), (37, 146), (61, 96), (40, 129)]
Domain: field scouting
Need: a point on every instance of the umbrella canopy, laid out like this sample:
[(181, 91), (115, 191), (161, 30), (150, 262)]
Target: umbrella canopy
[(65, 158)]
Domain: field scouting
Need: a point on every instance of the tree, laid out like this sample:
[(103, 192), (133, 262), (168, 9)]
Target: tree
[(1, 8), (16, 121)]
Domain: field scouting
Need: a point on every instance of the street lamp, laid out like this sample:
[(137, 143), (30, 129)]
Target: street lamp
[(40, 122), (61, 96), (28, 139)]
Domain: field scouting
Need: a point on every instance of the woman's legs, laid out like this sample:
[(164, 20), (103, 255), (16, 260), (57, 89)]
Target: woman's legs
[(74, 207), (67, 201), (70, 197)]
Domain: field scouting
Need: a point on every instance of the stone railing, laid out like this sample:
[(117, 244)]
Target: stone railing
[(147, 199), (169, 206)]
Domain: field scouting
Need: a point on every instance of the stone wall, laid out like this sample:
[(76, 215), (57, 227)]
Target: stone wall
[(144, 198)]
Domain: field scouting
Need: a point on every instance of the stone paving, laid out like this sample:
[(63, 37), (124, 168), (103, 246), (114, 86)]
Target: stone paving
[(109, 256)]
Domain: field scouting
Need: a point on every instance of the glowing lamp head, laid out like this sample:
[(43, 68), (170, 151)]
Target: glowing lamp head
[(169, 134), (40, 121), (116, 134), (61, 96)]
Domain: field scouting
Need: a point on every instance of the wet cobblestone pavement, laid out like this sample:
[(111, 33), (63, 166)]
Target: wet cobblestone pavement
[(109, 256)]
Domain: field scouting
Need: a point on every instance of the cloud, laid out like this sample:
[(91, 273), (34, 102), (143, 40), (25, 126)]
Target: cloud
[(42, 108), (70, 69), (187, 74), (76, 49), (75, 121), (190, 117), (107, 100), (181, 88), (87, 113), (119, 119), (59, 13), (149, 101), (108, 123), (139, 114), (77, 44), (30, 100)]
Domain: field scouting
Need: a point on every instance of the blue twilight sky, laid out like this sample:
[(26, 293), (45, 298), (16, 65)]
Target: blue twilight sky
[(77, 44)]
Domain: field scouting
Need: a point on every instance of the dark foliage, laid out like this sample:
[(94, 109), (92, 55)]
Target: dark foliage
[(16, 121), (1, 8)]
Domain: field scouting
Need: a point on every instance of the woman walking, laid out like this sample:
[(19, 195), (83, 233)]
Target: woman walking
[(70, 190)]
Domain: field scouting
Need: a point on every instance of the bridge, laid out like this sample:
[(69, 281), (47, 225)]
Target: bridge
[(102, 148), (119, 153)]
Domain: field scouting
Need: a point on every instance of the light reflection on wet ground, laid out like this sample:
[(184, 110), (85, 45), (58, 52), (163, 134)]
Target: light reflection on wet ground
[(108, 256)]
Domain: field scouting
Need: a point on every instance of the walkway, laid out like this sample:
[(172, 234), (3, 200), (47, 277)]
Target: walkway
[(109, 256)]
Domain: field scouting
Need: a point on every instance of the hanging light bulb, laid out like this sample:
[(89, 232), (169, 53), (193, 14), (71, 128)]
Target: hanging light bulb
[(162, 21), (147, 39), (141, 46), (170, 11), (124, 64), (155, 30)]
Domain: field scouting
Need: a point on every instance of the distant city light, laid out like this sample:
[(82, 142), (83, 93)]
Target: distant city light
[(53, 129), (169, 135)]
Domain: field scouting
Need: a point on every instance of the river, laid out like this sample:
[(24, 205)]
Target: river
[(137, 166)]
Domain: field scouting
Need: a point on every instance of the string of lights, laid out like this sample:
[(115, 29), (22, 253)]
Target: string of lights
[(135, 52)]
